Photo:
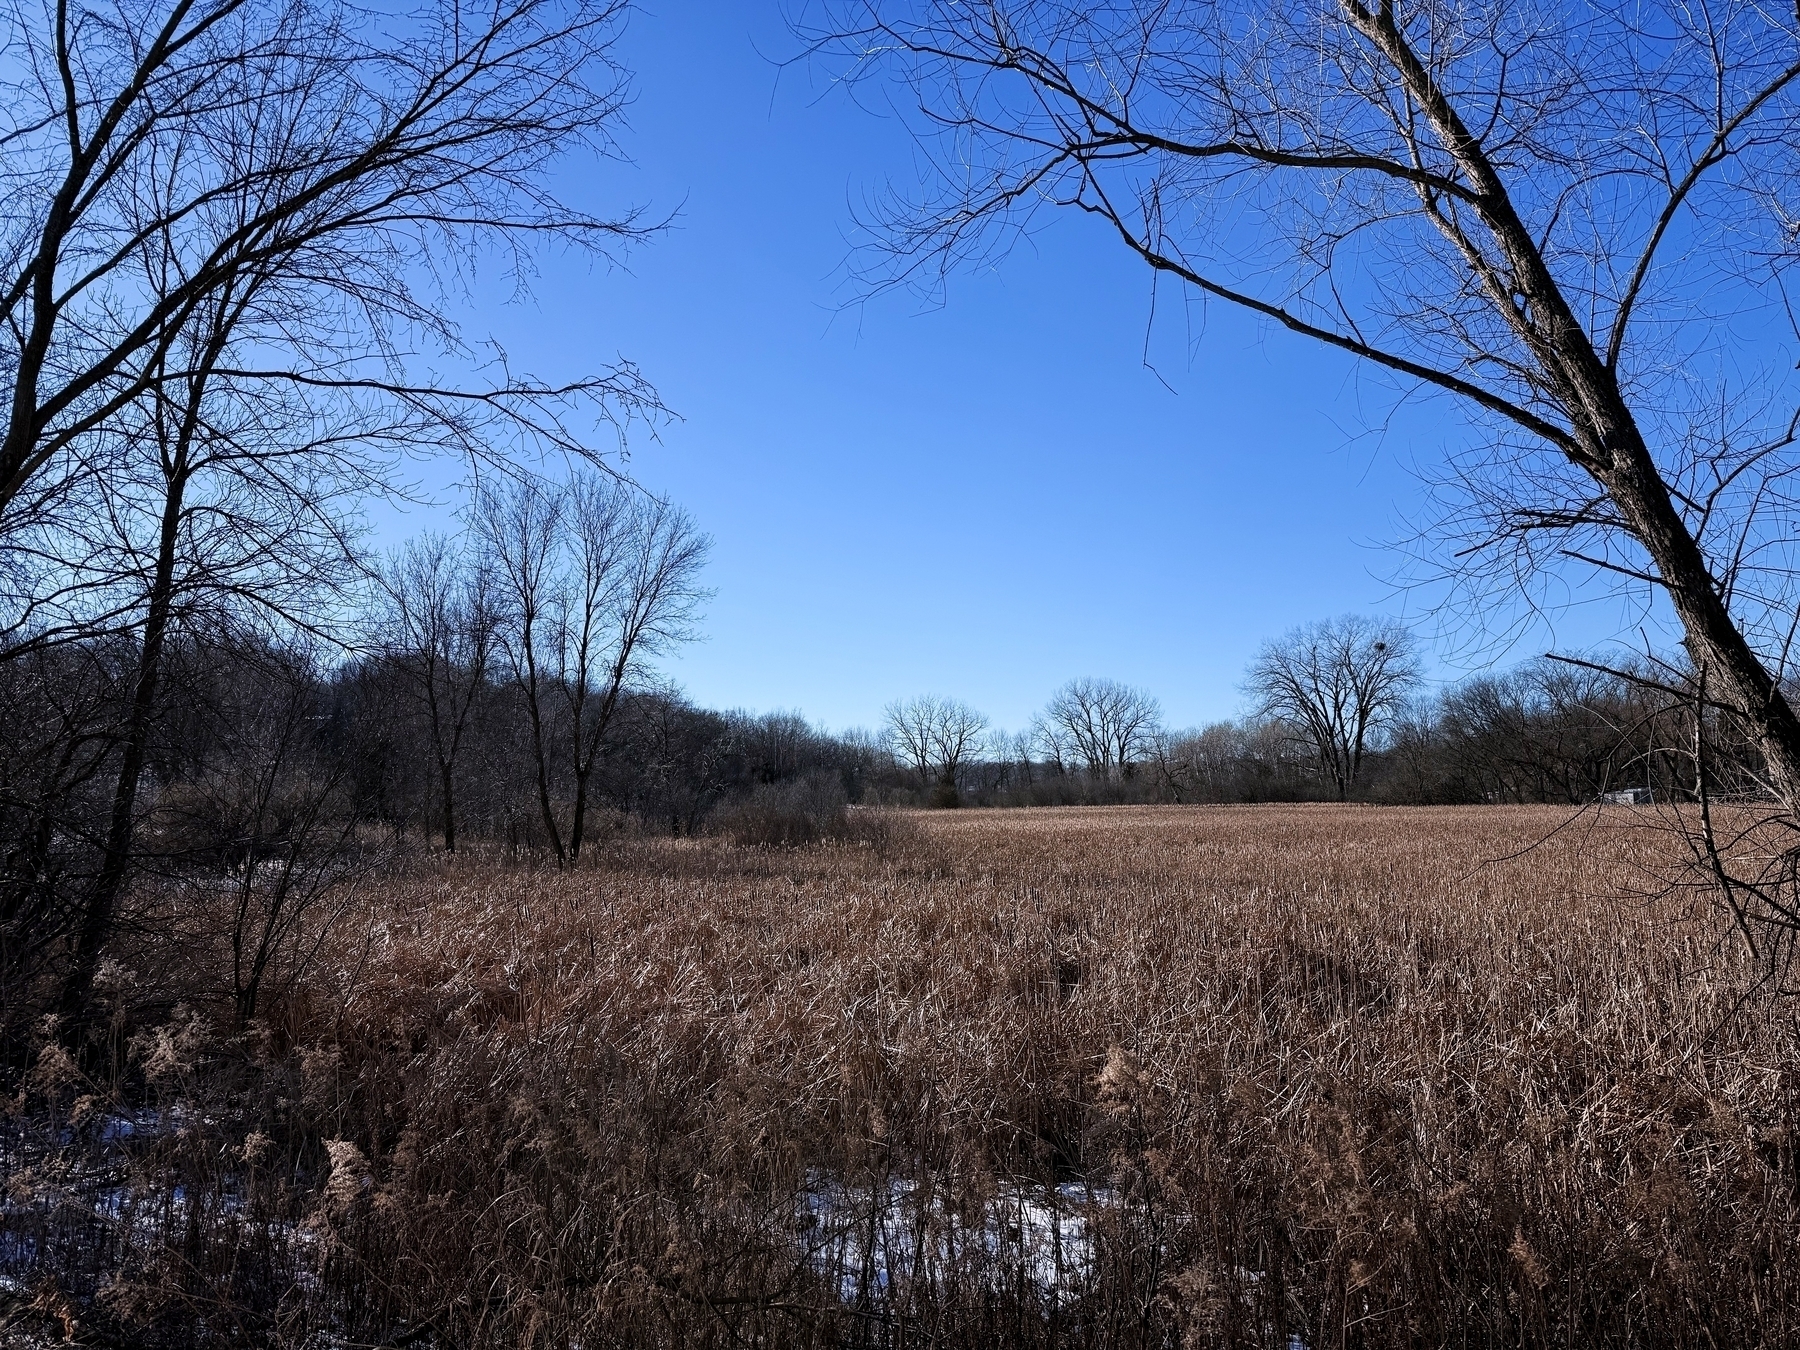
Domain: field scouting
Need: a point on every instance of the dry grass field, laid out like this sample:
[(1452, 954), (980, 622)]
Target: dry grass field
[(1251, 1076)]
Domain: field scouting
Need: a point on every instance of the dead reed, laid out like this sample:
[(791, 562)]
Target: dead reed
[(1117, 1076)]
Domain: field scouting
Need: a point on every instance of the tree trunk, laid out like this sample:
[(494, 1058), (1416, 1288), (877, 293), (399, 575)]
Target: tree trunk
[(588, 754), (449, 795), (541, 754), (103, 899), (1734, 673), (575, 826)]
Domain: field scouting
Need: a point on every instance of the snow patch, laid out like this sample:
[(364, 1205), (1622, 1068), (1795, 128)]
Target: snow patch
[(1033, 1238)]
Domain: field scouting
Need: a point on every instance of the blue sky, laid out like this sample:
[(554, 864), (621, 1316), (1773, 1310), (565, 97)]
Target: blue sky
[(984, 498)]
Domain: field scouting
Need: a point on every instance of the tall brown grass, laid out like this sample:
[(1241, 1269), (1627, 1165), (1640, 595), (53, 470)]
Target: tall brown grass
[(1354, 1076)]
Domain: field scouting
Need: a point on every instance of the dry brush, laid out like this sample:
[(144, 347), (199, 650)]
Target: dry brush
[(1078, 1077)]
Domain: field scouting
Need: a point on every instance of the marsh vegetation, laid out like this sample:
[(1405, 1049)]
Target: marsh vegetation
[(1331, 1075)]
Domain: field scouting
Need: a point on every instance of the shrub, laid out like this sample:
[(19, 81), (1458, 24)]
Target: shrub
[(788, 815)]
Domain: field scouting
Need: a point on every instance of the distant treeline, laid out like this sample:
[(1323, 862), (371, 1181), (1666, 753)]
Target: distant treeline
[(1546, 731), (263, 748)]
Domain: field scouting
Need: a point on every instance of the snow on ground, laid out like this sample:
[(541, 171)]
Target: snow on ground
[(869, 1237), (1028, 1238)]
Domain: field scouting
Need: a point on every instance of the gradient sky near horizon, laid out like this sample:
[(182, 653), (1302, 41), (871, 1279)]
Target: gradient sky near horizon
[(1051, 474)]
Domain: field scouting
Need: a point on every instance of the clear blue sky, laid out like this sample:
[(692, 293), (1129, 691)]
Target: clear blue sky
[(981, 499)]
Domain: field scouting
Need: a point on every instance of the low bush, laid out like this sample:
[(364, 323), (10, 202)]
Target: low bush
[(793, 814)]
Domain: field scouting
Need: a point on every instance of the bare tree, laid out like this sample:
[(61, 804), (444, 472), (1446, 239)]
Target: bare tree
[(1013, 751), (1051, 740), (520, 522), (440, 630), (957, 737), (597, 578), (907, 725), (634, 593), (324, 148), (1578, 222), (935, 737), (1111, 725), (1338, 681)]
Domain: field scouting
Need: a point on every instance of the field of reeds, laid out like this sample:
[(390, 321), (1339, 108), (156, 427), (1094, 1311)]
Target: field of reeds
[(1285, 1076)]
